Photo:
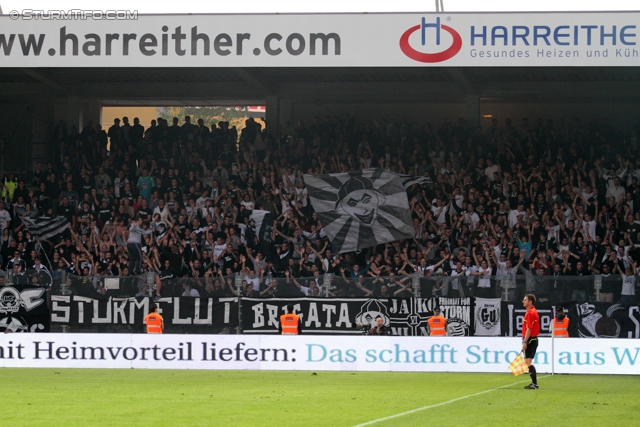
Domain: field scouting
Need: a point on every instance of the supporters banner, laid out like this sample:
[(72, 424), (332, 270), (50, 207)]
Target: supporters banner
[(23, 309), (604, 320), (180, 314), (314, 353), (405, 317), (124, 38), (487, 318), (586, 320), (513, 317), (361, 209)]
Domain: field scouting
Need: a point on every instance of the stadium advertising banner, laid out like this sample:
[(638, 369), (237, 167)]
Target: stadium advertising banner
[(428, 354), (188, 313), (338, 316), (23, 309), (128, 39)]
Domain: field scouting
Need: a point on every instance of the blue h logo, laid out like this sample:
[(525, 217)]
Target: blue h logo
[(436, 26)]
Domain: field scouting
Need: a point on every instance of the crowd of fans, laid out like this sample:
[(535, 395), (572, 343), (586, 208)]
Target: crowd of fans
[(536, 199)]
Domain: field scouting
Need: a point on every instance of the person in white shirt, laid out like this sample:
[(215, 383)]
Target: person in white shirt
[(491, 169), (616, 190), (5, 217), (515, 214), (628, 294), (136, 231)]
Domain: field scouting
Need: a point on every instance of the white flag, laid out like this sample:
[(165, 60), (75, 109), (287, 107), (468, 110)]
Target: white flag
[(488, 316)]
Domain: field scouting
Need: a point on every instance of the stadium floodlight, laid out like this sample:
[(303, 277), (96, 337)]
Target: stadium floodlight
[(439, 6)]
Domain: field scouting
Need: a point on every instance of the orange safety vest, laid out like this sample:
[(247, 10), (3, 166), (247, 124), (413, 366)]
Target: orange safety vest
[(561, 329), (437, 326), (289, 323), (154, 323)]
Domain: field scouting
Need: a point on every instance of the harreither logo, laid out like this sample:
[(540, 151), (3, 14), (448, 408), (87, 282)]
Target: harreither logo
[(443, 55)]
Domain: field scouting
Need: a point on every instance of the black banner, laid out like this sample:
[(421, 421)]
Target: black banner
[(604, 320), (407, 317), (23, 309), (586, 320), (513, 317), (186, 315)]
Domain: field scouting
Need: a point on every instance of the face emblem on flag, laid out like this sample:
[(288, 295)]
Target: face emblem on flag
[(359, 200), (360, 209)]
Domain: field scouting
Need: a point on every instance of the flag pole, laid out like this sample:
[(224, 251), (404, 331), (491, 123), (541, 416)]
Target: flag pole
[(42, 247), (553, 352)]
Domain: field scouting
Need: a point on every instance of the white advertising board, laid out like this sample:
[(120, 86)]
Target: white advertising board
[(331, 353), (322, 40)]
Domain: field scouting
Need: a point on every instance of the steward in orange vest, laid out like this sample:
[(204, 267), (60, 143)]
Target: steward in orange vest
[(154, 321), (290, 323), (560, 324), (437, 324)]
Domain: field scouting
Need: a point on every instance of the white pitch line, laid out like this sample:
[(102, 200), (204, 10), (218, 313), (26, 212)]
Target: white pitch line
[(402, 414)]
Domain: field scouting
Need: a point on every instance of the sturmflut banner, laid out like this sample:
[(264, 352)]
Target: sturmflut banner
[(262, 352), (576, 39), (189, 315)]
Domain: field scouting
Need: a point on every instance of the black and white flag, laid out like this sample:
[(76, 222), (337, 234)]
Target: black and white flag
[(361, 209), (260, 228), (408, 180), (45, 227)]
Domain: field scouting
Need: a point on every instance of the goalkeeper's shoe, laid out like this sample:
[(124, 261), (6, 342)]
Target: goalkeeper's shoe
[(531, 386)]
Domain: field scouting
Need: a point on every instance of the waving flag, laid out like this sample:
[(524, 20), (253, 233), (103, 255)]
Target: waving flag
[(408, 180), (360, 209), (519, 366), (45, 228)]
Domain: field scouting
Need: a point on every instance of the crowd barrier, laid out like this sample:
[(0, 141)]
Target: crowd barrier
[(551, 289)]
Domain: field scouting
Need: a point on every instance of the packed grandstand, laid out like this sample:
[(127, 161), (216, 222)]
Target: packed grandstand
[(534, 204)]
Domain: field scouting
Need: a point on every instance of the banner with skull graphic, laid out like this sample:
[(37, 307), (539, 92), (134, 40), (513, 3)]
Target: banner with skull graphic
[(23, 309), (341, 316), (361, 209)]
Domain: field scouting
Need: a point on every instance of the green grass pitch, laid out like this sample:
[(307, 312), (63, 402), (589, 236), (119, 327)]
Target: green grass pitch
[(110, 397)]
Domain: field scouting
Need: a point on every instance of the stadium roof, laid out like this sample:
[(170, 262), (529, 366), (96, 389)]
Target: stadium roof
[(203, 86)]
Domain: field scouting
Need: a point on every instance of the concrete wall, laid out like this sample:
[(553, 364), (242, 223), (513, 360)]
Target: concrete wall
[(414, 112), (15, 151), (621, 115)]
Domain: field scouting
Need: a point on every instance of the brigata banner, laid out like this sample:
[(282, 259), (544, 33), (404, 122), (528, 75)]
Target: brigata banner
[(338, 316), (267, 352), (65, 39), (187, 315), (23, 309)]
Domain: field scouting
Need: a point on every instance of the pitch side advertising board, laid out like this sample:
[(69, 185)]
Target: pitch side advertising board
[(337, 353), (324, 40)]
